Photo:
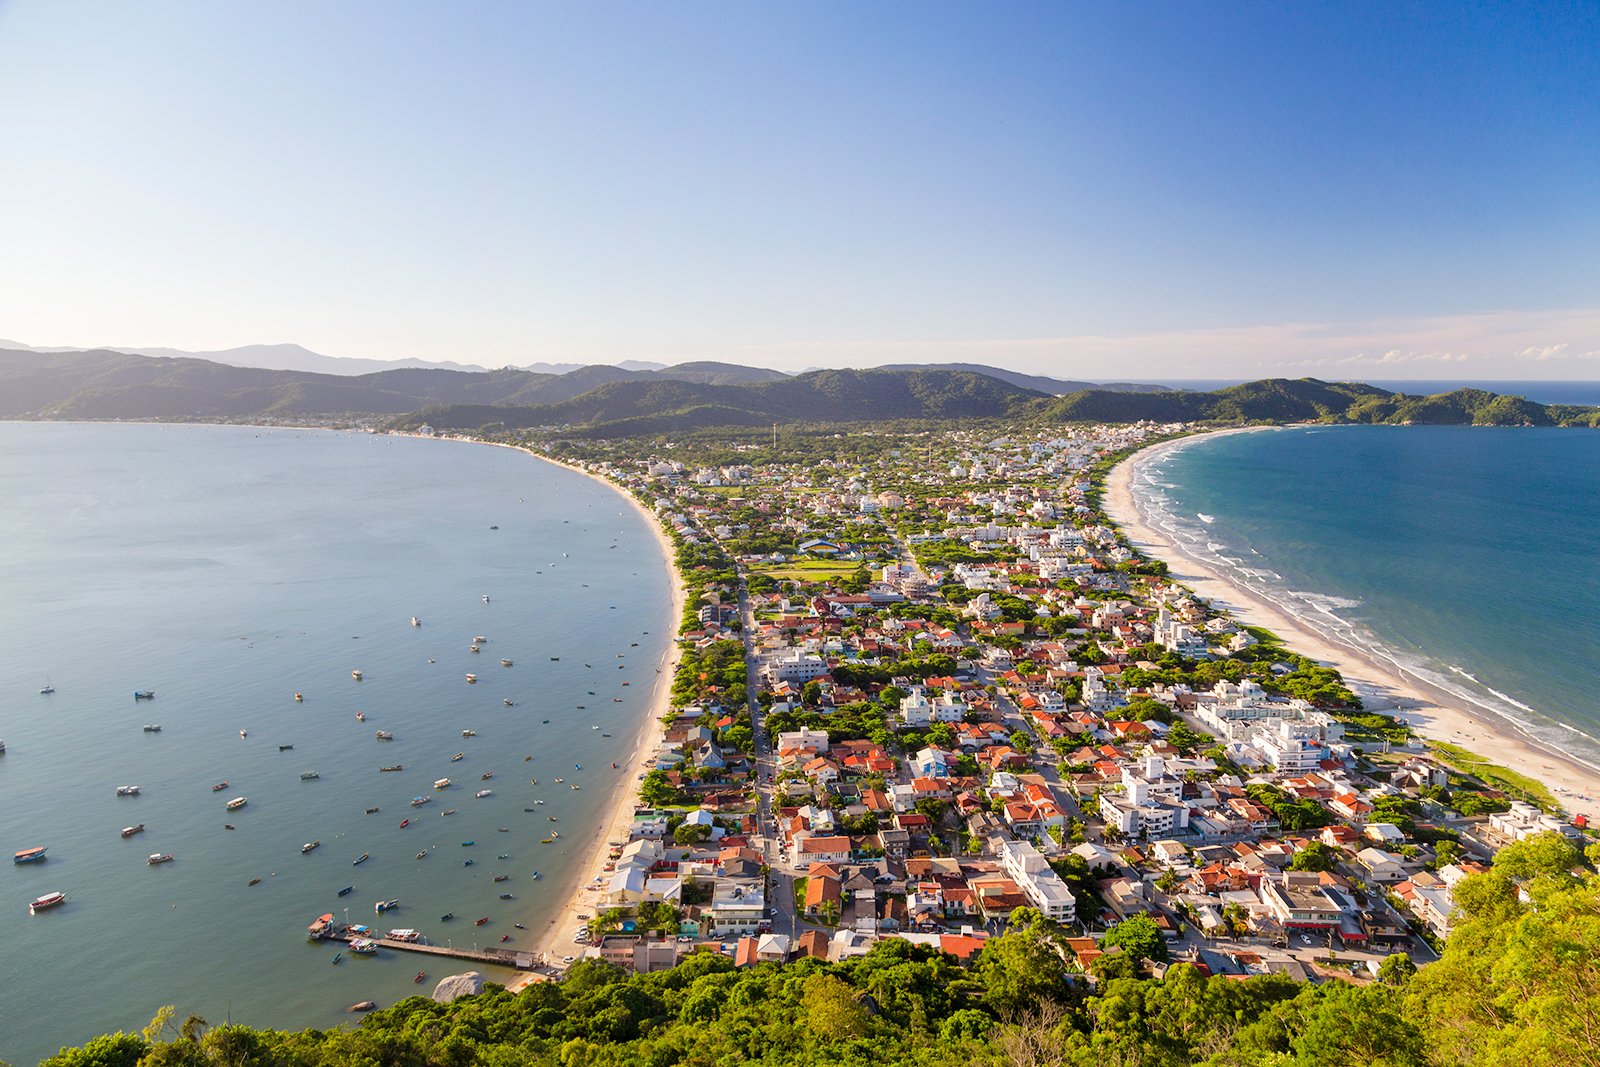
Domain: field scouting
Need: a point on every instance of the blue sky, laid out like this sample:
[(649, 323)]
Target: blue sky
[(1158, 190)]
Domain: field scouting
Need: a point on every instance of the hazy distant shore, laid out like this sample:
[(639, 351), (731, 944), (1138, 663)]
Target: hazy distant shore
[(1432, 712)]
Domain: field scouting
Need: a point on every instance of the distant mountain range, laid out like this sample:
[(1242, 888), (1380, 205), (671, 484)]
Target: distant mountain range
[(612, 401)]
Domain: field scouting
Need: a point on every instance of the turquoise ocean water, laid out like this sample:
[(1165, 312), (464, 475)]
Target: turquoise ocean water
[(226, 569), (1467, 557)]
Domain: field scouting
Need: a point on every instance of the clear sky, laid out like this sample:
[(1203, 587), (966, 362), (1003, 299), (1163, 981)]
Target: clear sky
[(1381, 190)]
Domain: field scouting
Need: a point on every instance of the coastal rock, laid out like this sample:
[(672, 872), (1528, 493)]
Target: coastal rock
[(458, 985), (362, 1005)]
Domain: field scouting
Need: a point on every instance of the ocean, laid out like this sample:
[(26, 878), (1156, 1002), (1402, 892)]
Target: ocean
[(1466, 557), (227, 569)]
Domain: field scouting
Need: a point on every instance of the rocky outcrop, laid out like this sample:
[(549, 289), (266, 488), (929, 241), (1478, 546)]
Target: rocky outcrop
[(458, 985)]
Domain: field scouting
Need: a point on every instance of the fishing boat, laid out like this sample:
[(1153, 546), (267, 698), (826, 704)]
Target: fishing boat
[(49, 900), (363, 945), (386, 905), (441, 783), (404, 934), (347, 890), (485, 776), (159, 857), (457, 757), (393, 767), (236, 803), (306, 776), (127, 790), (144, 694), (30, 855), (321, 928), (469, 733), (472, 679), (384, 735), (220, 786), (359, 860), (310, 846), (404, 823), (356, 675), (129, 831), (417, 802), (152, 728), (480, 794)]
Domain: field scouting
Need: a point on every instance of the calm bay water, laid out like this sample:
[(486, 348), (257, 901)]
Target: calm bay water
[(227, 569), (1466, 556)]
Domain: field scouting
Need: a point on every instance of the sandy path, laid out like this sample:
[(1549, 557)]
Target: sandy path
[(1433, 713)]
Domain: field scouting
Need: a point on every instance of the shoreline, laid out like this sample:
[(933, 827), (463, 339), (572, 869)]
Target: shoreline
[(552, 940), (1433, 713)]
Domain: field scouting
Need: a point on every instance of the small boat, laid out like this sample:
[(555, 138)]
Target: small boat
[(546, 841), (613, 764), (373, 811), (285, 748), (480, 794), (255, 881), (417, 802), (480, 922), (486, 598), (507, 702), (561, 781), (480, 640), (364, 946), (472, 679), (236, 803), (127, 790), (447, 811), (474, 648), (468, 844), (485, 776), (49, 900), (152, 728), (347, 890), (310, 846), (467, 863), (30, 855), (501, 877), (457, 757), (420, 976), (555, 833), (129, 831), (48, 688), (469, 733), (415, 621), (422, 855), (159, 857), (447, 916), (220, 786), (306, 776), (144, 694), (534, 877), (505, 663), (359, 860), (555, 659), (503, 855), (337, 956), (393, 767), (441, 783), (243, 734), (386, 905), (505, 937), (404, 823), (384, 735), (361, 716), (299, 699), (506, 896), (227, 826), (356, 675), (576, 788)]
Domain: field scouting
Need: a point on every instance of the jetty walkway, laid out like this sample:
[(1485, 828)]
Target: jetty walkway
[(496, 957)]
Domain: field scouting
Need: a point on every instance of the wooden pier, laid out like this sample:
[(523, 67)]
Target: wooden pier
[(494, 957)]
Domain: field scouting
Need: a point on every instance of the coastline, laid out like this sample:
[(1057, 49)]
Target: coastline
[(551, 941), (1433, 713)]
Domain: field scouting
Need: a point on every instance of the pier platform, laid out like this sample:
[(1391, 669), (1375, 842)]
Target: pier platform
[(494, 957)]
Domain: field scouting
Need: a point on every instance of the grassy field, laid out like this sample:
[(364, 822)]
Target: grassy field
[(1492, 774), (808, 570)]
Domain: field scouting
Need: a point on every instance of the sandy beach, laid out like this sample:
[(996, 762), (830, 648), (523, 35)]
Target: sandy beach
[(1433, 713), (553, 936)]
